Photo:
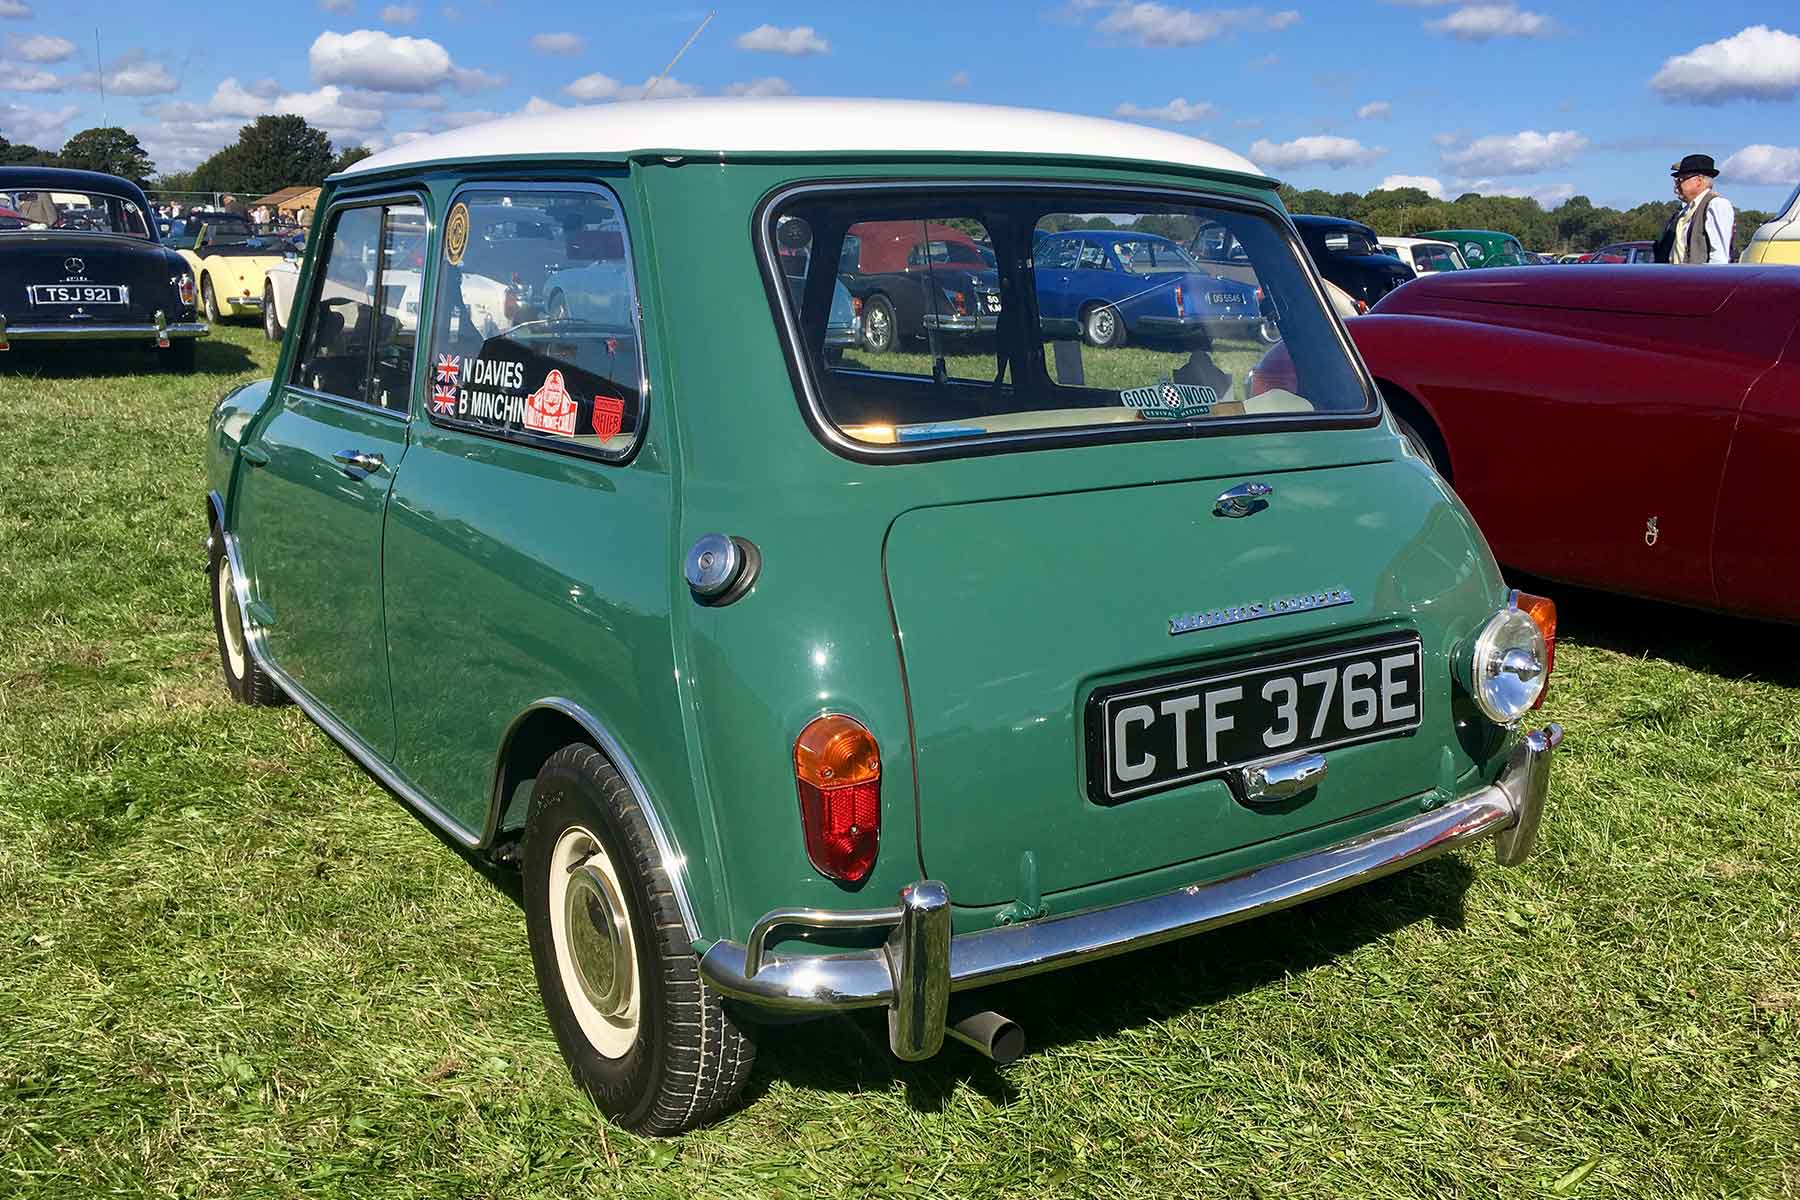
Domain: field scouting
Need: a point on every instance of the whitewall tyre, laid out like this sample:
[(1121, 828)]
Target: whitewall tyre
[(647, 1040), (247, 682)]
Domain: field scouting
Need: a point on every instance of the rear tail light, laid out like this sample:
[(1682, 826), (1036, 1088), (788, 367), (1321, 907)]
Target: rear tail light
[(1275, 373), (856, 305), (1542, 611), (961, 301), (184, 287), (837, 771), (1362, 306), (1178, 299)]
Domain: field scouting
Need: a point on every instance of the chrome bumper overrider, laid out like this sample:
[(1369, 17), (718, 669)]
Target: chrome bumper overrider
[(914, 973)]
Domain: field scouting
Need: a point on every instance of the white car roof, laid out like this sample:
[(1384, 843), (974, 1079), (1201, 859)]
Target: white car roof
[(1411, 241), (721, 127)]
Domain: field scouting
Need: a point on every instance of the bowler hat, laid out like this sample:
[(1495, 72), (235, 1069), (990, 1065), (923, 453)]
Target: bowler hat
[(1694, 164)]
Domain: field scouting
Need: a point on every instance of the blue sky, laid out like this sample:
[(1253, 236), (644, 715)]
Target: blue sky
[(1534, 97)]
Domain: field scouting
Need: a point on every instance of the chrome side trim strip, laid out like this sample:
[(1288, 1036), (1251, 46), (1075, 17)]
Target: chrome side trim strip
[(366, 758), (1509, 807), (673, 861)]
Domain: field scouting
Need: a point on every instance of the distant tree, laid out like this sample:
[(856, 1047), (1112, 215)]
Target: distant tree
[(18, 154), (272, 153), (110, 149), (174, 181), (349, 155)]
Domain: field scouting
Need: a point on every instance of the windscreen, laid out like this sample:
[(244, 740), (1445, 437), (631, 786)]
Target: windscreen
[(965, 317)]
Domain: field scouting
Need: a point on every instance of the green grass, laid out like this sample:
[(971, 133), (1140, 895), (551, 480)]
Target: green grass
[(234, 968)]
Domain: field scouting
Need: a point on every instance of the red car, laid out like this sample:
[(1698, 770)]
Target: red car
[(1611, 429), (1624, 252)]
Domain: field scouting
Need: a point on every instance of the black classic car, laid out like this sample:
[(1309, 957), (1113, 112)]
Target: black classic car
[(1349, 254), (914, 278), (81, 261)]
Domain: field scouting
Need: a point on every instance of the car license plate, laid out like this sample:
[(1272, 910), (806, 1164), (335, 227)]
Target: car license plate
[(77, 293), (1224, 298), (992, 300), (1153, 735)]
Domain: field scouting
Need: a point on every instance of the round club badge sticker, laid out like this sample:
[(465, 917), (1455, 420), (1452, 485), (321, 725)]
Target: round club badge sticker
[(456, 233)]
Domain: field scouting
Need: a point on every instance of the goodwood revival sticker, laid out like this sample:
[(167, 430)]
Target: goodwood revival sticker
[(456, 233), (551, 409), (1170, 401), (608, 416)]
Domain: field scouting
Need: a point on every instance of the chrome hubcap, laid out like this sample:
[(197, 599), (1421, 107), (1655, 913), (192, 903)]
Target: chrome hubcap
[(878, 326), (597, 941), (230, 618), (1103, 325)]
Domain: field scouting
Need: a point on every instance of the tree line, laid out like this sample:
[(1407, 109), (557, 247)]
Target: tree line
[(270, 153), (1576, 225)]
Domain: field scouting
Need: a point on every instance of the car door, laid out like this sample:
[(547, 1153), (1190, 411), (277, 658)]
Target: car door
[(312, 508), (1756, 536)]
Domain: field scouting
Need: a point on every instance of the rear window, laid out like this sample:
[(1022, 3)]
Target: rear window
[(963, 317)]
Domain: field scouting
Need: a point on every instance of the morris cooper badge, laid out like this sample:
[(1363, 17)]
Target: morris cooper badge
[(1280, 606)]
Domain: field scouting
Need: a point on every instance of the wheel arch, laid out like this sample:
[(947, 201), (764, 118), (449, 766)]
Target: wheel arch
[(545, 727), (1409, 408)]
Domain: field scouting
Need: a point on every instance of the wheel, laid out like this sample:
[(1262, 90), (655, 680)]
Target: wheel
[(247, 682), (179, 357), (1269, 332), (209, 303), (1101, 326), (879, 334), (558, 307), (271, 319), (641, 1033)]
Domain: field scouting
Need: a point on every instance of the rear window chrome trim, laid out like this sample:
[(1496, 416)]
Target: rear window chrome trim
[(801, 365)]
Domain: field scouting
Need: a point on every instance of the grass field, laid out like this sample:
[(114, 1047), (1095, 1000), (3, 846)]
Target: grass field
[(233, 967)]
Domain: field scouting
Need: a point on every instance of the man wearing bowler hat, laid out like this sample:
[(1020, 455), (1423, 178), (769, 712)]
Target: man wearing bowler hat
[(1701, 231)]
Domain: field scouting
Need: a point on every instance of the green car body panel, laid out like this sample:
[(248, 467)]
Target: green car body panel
[(1482, 247), (485, 579)]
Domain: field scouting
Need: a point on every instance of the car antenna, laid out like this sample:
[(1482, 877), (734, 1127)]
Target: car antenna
[(705, 21), (100, 74)]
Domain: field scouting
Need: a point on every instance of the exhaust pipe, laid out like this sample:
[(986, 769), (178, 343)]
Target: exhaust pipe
[(990, 1035)]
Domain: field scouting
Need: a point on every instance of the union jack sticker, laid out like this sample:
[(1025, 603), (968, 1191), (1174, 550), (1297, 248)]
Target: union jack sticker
[(449, 371)]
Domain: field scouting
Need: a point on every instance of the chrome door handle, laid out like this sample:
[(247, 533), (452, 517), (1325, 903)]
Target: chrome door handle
[(1242, 500), (359, 460), (1281, 780)]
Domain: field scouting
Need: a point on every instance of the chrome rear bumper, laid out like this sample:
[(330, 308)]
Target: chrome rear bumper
[(157, 332), (914, 973)]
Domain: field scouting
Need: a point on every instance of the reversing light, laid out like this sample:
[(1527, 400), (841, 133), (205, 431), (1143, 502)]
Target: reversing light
[(837, 771)]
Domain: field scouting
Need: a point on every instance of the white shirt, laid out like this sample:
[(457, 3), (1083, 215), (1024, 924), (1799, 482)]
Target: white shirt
[(1720, 218)]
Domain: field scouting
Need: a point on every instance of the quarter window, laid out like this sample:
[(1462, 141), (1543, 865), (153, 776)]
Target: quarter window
[(535, 329), (362, 325)]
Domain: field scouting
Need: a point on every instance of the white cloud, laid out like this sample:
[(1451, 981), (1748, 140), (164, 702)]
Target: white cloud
[(1549, 195), (1178, 110), (1763, 163), (460, 118), (330, 108), (768, 85), (1161, 25), (1447, 139), (21, 80), (381, 62), (337, 6), (797, 42), (558, 43), (131, 74), (537, 105), (1429, 184), (1317, 150), (1375, 110), (959, 80), (400, 14), (36, 126), (599, 87), (474, 79), (1522, 153), (1757, 63), (43, 49), (1482, 22), (16, 9)]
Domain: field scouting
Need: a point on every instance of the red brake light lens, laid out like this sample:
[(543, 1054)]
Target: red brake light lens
[(837, 772), (185, 289), (1178, 299)]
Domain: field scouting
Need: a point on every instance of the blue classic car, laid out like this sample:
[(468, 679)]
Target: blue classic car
[(1105, 285)]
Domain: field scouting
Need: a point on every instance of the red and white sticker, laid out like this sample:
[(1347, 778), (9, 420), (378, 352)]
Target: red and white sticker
[(551, 409), (609, 416)]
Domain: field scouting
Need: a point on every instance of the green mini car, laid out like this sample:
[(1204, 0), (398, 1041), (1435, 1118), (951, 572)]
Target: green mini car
[(1484, 247), (797, 677)]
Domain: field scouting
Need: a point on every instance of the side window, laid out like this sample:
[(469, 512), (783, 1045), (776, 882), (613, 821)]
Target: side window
[(1057, 254), (534, 331), (362, 323)]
